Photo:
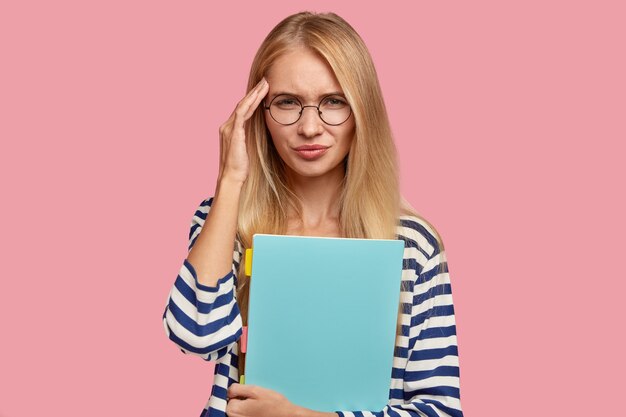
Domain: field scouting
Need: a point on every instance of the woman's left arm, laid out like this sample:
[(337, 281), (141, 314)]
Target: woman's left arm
[(431, 376)]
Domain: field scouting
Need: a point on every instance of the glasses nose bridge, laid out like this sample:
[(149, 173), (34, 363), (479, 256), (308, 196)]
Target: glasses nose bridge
[(315, 107), (319, 116)]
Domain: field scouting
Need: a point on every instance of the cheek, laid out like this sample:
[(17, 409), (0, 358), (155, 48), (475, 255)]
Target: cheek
[(276, 139), (278, 143), (279, 135), (348, 138)]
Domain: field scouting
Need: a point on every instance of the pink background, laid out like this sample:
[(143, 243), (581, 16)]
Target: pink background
[(510, 122)]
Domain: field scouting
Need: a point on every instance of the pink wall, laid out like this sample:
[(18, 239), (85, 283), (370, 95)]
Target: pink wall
[(510, 121)]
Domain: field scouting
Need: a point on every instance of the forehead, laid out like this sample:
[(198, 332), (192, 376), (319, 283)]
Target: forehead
[(303, 73)]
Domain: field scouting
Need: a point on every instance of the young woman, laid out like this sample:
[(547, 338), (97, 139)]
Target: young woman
[(309, 151)]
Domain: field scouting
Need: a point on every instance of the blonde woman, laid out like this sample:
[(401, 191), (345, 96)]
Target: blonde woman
[(309, 151)]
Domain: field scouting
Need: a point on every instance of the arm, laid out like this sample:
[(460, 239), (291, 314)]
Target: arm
[(204, 319), (429, 384), (202, 316)]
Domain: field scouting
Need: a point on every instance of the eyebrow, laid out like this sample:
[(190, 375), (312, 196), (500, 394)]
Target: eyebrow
[(299, 97)]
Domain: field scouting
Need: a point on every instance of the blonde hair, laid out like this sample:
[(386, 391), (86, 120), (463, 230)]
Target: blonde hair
[(370, 198)]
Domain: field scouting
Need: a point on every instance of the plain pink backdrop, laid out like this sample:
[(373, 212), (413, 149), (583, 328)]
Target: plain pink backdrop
[(510, 124)]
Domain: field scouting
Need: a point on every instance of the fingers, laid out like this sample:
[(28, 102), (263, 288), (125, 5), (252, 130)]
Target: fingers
[(233, 152), (241, 391), (245, 108), (256, 94), (234, 407), (260, 94), (250, 102)]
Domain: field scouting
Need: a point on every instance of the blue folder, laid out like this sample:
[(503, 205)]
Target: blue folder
[(322, 319)]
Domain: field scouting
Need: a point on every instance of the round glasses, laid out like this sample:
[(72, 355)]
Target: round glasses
[(287, 110)]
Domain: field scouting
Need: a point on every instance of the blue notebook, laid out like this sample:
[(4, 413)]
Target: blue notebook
[(322, 319)]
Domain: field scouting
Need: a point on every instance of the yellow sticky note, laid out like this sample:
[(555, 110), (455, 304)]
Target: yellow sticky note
[(248, 262)]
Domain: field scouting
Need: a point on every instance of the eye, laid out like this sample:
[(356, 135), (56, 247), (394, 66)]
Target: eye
[(334, 102), (286, 102)]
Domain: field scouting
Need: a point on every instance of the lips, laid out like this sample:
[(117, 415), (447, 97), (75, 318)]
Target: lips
[(311, 152)]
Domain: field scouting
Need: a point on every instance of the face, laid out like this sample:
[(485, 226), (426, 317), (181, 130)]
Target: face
[(309, 147)]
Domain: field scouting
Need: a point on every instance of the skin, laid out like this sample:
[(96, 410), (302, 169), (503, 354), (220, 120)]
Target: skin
[(255, 401), (211, 256), (305, 75), (316, 182)]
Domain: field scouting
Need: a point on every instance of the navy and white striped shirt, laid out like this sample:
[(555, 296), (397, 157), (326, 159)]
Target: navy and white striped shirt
[(205, 321)]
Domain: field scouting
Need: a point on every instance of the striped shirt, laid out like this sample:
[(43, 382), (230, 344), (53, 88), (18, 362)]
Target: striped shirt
[(205, 321)]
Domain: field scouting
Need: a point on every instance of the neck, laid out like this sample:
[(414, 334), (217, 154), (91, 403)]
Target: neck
[(320, 202)]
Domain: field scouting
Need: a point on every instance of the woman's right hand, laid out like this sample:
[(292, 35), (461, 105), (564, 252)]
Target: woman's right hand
[(234, 162)]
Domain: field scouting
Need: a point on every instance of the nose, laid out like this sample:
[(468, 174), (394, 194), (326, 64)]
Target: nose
[(310, 124)]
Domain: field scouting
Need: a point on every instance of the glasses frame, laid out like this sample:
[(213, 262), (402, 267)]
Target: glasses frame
[(302, 107)]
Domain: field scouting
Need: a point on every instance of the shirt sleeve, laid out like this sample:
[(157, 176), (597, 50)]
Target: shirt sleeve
[(202, 320), (431, 376)]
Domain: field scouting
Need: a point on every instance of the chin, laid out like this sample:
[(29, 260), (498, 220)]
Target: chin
[(312, 171)]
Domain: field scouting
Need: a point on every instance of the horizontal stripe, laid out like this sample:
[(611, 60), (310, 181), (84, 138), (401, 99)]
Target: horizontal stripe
[(452, 412), (451, 402), (209, 301), (215, 411), (202, 344), (217, 343), (438, 371), (437, 343), (439, 391), (445, 310), (435, 272), (414, 254), (219, 391), (415, 240), (411, 265), (422, 409), (437, 332), (430, 364), (396, 412), (433, 291), (198, 328), (407, 284), (434, 322), (401, 352), (426, 354), (434, 381), (420, 229)]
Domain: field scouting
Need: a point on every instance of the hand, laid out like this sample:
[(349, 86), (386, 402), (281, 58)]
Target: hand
[(234, 161), (255, 401)]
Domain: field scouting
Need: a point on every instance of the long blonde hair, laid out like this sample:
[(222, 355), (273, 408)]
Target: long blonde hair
[(370, 198)]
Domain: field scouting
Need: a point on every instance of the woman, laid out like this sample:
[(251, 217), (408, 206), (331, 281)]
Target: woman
[(309, 151)]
